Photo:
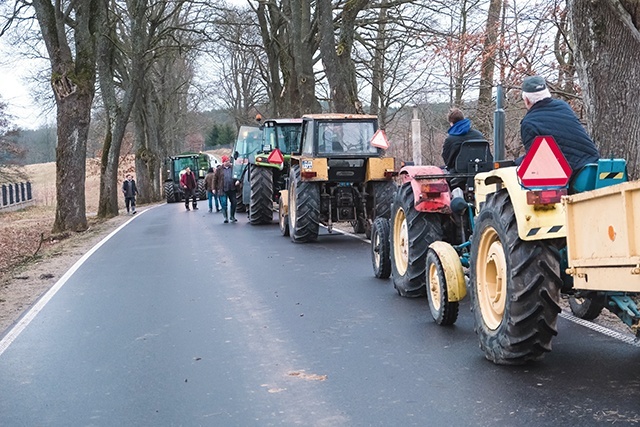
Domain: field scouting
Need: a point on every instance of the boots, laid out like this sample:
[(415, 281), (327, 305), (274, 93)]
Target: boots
[(224, 213)]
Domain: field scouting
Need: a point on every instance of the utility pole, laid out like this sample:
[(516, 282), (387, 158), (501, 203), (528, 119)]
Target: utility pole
[(415, 138)]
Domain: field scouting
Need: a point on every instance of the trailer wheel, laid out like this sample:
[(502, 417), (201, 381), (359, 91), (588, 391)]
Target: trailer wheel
[(304, 208), (380, 257), (515, 287), (411, 234), (283, 219), (443, 311), (261, 203), (168, 192), (587, 306)]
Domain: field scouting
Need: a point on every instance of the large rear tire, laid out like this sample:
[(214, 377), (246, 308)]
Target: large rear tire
[(202, 190), (261, 204), (515, 286), (304, 208), (380, 247), (411, 234), (443, 311), (169, 192)]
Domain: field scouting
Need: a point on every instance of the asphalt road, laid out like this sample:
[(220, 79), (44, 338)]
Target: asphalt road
[(181, 320)]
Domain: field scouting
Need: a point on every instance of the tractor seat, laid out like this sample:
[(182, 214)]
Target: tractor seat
[(474, 156)]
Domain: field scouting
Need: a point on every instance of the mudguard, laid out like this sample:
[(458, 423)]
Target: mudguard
[(454, 275), (534, 222), (425, 201)]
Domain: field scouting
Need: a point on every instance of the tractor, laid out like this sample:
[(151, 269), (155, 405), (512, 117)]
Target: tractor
[(529, 236), (199, 163), (337, 174), (247, 145), (268, 168)]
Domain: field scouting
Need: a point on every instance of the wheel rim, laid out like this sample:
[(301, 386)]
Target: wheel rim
[(434, 285), (281, 214), (491, 279), (376, 248), (292, 207), (401, 242)]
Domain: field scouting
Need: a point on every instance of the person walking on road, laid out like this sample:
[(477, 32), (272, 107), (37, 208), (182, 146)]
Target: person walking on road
[(208, 183), (130, 191), (189, 183), (224, 185)]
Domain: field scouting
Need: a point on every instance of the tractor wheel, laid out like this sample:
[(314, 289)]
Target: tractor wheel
[(587, 306), (304, 208), (169, 192), (261, 204), (283, 219), (380, 257), (358, 225), (443, 311), (379, 203), (515, 286), (411, 234), (202, 190)]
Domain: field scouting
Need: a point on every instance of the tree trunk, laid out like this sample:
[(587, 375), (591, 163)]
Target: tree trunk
[(336, 57), (607, 45), (72, 81), (485, 107)]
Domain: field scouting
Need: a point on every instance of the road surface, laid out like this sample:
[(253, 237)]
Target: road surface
[(181, 320)]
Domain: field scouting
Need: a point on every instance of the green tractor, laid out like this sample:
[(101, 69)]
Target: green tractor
[(248, 144), (199, 164), (269, 168)]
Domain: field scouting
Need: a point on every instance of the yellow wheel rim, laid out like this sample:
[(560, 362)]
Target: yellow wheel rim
[(434, 285), (292, 207), (401, 242), (491, 279)]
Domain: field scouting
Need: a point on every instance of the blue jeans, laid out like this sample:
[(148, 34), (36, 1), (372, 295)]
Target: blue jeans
[(211, 197), (231, 196)]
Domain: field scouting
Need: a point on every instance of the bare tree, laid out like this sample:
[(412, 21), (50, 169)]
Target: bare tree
[(609, 74), (69, 31)]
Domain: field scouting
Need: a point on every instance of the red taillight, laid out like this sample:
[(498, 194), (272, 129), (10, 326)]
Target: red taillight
[(434, 188), (308, 174), (390, 174), (545, 197)]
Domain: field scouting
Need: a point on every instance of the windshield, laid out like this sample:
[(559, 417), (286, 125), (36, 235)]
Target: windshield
[(346, 138), (285, 137), (249, 142)]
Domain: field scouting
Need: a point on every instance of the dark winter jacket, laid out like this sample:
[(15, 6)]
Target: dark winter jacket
[(129, 188), (208, 181), (458, 133), (555, 117), (223, 180)]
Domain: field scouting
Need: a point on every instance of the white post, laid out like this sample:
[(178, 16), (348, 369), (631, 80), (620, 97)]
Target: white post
[(415, 138)]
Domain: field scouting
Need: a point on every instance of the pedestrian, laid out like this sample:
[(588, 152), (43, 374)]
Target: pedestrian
[(189, 183), (224, 185), (460, 130), (130, 191), (208, 183), (548, 116)]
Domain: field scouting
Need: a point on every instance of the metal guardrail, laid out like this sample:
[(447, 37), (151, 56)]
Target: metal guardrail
[(16, 195)]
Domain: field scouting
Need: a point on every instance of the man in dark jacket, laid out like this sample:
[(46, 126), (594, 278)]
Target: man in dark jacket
[(224, 185), (189, 183), (130, 190), (554, 117), (459, 132)]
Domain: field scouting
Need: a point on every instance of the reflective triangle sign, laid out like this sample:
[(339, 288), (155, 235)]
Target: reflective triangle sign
[(276, 157), (379, 140), (544, 165)]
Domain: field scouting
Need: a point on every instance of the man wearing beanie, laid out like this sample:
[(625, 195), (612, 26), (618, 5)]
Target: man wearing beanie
[(554, 117), (224, 186)]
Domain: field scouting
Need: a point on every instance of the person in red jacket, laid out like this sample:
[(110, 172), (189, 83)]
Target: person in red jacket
[(189, 183)]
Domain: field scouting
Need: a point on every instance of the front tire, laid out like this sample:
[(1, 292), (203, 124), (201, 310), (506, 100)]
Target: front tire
[(283, 219), (411, 234), (380, 257), (304, 208), (380, 203), (169, 193), (261, 200), (515, 287), (202, 190), (587, 306), (444, 313)]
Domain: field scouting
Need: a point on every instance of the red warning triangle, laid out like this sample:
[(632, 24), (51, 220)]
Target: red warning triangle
[(379, 140), (544, 165), (276, 157)]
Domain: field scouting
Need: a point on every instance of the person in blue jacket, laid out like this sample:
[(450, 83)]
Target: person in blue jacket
[(459, 132), (548, 116)]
